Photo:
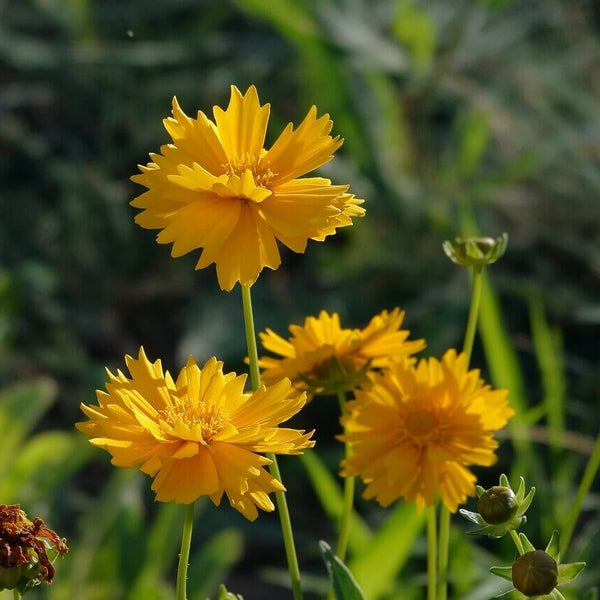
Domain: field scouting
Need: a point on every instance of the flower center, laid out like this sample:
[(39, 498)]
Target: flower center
[(238, 165), (421, 424), (211, 419)]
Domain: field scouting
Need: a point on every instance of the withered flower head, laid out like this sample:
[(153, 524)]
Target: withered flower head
[(27, 549)]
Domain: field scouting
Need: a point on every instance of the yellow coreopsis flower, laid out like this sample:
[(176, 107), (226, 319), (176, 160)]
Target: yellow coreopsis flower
[(199, 435), (323, 358), (217, 188), (415, 430)]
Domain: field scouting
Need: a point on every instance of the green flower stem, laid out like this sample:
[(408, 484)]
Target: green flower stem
[(16, 594), (344, 533), (473, 311), (431, 553), (444, 545), (184, 555), (517, 540), (282, 507), (589, 474), (445, 513)]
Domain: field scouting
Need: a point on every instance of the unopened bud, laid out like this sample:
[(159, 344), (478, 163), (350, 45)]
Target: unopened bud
[(476, 251), (535, 573), (498, 505)]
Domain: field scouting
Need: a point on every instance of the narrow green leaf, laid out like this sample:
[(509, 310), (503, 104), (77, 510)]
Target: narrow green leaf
[(210, 564), (568, 571), (388, 552), (330, 496), (547, 344), (553, 547), (504, 572), (345, 586)]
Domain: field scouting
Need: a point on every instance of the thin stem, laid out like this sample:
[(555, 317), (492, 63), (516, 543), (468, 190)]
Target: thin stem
[(344, 533), (16, 594), (445, 513), (589, 474), (250, 337), (184, 555), (517, 540), (473, 311), (442, 590), (282, 507), (431, 553)]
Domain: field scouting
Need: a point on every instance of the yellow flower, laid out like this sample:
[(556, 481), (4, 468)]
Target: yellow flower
[(198, 435), (323, 358), (216, 187), (416, 429)]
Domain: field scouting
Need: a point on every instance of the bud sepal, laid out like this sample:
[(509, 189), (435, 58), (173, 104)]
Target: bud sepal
[(476, 251), (538, 573), (500, 509)]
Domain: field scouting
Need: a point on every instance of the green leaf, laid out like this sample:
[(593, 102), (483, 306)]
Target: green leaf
[(504, 572), (21, 407), (330, 496), (345, 586), (210, 564), (527, 545), (553, 547), (568, 571), (39, 468), (548, 351), (389, 550)]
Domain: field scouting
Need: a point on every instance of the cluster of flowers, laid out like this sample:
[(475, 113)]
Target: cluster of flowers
[(413, 428)]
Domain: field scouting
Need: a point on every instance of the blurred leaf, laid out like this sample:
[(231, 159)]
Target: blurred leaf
[(21, 407), (210, 564), (415, 29), (330, 496), (344, 585), (388, 552), (474, 137), (547, 345), (42, 465)]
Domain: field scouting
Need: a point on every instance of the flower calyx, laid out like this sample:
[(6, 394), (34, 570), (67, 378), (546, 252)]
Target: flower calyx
[(336, 376), (538, 573), (500, 509), (476, 251)]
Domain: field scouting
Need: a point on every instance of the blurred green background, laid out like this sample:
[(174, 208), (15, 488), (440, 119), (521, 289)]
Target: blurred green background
[(458, 117)]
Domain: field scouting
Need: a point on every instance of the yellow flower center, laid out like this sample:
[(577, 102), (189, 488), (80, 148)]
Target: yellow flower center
[(421, 426), (211, 419), (238, 165)]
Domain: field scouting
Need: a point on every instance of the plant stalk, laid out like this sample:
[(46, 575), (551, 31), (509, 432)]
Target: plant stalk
[(517, 540), (431, 553), (467, 349), (184, 555), (349, 482), (281, 501), (591, 469)]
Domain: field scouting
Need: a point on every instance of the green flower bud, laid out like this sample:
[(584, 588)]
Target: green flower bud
[(9, 577), (498, 505), (476, 251), (535, 573)]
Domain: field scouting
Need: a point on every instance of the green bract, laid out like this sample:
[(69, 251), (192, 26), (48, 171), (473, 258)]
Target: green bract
[(476, 251), (500, 509), (537, 573)]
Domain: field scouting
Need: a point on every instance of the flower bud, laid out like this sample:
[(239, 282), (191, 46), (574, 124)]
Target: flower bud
[(476, 251), (498, 505), (535, 573)]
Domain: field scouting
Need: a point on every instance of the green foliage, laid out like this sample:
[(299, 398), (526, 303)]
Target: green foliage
[(344, 584), (460, 118)]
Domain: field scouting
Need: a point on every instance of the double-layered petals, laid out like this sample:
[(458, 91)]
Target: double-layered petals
[(415, 430), (198, 435), (217, 188), (322, 357)]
